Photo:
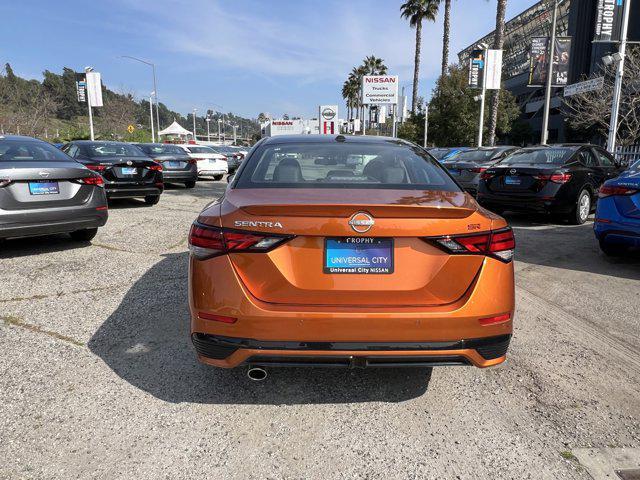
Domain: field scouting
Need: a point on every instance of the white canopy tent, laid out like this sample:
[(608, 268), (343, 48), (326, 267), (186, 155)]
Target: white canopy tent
[(175, 130)]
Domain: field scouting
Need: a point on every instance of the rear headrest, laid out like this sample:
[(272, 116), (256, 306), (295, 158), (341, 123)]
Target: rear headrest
[(287, 171), (393, 175)]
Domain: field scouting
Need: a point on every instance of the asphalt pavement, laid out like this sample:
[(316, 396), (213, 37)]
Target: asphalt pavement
[(99, 379)]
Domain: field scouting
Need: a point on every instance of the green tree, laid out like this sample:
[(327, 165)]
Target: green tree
[(416, 11), (453, 111)]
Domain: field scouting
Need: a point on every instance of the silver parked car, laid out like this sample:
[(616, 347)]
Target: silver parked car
[(44, 191)]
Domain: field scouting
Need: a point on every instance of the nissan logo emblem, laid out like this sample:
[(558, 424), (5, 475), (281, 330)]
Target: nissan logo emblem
[(129, 162), (328, 113), (361, 222), (512, 171), (44, 174)]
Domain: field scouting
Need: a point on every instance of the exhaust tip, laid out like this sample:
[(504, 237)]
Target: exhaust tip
[(256, 374)]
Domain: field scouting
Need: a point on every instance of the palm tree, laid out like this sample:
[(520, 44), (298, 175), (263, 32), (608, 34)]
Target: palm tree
[(446, 36), (374, 66), (416, 11), (498, 43)]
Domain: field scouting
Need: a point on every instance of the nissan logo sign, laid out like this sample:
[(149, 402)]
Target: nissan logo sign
[(361, 222), (512, 171), (328, 114)]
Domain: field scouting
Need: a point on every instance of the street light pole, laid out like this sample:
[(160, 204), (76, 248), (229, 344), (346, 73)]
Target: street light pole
[(155, 87), (194, 125), (547, 96), (92, 136), (208, 132), (426, 123), (219, 130), (483, 96), (617, 89), (153, 133)]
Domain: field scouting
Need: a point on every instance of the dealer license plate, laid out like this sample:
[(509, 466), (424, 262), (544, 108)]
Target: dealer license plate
[(129, 170), (44, 188), (358, 255), (512, 180)]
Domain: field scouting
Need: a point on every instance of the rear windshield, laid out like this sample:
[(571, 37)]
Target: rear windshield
[(475, 156), (359, 165), (163, 150), (200, 150), (542, 156), (438, 153), (113, 150), (30, 151)]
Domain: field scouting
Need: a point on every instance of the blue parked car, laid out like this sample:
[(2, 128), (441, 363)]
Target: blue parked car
[(617, 223), (446, 153)]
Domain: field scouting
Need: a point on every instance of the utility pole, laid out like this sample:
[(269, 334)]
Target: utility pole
[(153, 134), (547, 97), (92, 136), (426, 123), (194, 124), (483, 96), (219, 130), (208, 132), (617, 89)]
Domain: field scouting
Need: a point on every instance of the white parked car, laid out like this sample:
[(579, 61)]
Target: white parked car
[(210, 163)]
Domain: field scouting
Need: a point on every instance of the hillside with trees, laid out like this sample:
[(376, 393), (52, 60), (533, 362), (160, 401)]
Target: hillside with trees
[(49, 109)]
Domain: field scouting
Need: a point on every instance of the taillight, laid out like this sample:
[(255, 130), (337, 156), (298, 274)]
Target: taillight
[(206, 241), (555, 177), (487, 175), (96, 168), (92, 180), (498, 244), (192, 161), (607, 190), (478, 169), (4, 182), (156, 168)]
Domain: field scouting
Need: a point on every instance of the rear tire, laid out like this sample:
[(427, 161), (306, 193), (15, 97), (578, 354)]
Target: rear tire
[(582, 209), (190, 184), (84, 235), (152, 199)]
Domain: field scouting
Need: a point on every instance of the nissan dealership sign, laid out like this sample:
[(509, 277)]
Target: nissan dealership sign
[(380, 90)]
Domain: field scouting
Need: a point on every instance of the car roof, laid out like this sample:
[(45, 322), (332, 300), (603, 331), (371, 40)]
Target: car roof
[(89, 142), (20, 137), (297, 139)]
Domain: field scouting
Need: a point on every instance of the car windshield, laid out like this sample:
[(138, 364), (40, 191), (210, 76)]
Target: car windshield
[(163, 150), (200, 150), (113, 150), (392, 165), (475, 156), (30, 151), (540, 156)]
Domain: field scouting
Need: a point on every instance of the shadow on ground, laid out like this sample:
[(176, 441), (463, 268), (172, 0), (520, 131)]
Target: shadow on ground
[(540, 241), (22, 247), (146, 342)]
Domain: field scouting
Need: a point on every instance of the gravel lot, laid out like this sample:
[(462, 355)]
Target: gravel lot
[(99, 379)]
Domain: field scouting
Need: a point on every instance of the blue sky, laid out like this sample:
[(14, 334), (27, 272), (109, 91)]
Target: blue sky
[(248, 56)]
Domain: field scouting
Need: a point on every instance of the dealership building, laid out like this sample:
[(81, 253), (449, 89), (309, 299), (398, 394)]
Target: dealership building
[(576, 19)]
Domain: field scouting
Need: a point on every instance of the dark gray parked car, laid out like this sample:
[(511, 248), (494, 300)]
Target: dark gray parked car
[(177, 165), (44, 191), (466, 167)]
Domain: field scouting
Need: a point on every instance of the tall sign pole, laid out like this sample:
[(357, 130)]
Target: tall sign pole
[(153, 133), (547, 97), (617, 89), (426, 123), (482, 99)]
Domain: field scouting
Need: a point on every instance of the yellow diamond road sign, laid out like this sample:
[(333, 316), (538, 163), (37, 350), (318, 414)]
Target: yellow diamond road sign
[(130, 128)]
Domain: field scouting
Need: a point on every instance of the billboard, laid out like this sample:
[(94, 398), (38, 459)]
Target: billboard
[(476, 69), (81, 87), (539, 63), (94, 89), (609, 15), (494, 69), (380, 90)]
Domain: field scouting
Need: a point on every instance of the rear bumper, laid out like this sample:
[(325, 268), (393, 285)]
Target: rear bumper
[(132, 191), (339, 334), (211, 173), (179, 176), (231, 352), (525, 204), (51, 221)]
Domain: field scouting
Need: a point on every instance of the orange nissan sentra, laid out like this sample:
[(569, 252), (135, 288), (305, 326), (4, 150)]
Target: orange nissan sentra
[(348, 251)]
